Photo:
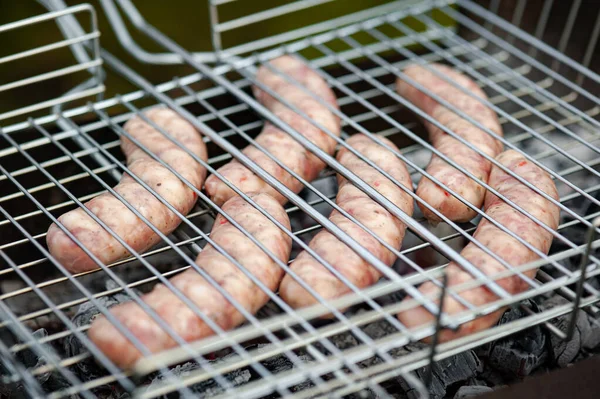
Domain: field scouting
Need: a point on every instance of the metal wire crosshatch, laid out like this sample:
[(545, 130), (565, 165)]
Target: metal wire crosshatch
[(541, 88)]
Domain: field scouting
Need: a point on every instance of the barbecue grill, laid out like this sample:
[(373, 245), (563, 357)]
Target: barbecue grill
[(536, 60)]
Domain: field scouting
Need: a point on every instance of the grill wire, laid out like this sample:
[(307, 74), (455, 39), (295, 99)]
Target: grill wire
[(549, 113)]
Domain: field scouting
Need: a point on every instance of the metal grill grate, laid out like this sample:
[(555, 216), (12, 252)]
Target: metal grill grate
[(546, 105)]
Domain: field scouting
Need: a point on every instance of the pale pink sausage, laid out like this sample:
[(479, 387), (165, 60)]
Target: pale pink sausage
[(372, 215), (115, 214), (470, 160), (499, 242), (279, 143), (176, 313)]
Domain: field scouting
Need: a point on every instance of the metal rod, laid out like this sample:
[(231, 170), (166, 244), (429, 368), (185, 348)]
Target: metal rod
[(438, 327), (590, 235)]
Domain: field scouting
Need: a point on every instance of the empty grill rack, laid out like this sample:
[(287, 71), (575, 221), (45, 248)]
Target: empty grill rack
[(540, 82)]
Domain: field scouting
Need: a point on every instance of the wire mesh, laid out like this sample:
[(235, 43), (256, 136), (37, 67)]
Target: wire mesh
[(34, 50), (44, 173)]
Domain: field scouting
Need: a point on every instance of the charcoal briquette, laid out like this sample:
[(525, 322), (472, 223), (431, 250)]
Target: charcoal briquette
[(518, 355), (471, 391)]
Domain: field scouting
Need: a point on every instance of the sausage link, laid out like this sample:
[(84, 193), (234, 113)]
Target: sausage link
[(499, 242), (115, 214), (204, 295), (281, 145), (372, 215), (470, 160)]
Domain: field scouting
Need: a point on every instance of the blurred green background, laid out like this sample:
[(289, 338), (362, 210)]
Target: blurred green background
[(185, 21)]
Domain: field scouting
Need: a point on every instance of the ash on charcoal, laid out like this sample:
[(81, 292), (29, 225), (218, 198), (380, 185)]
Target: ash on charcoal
[(88, 369), (276, 364), (586, 335), (206, 388), (280, 363), (471, 391), (520, 354), (447, 372), (50, 381)]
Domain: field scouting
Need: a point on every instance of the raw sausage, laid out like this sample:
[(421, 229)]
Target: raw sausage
[(470, 160), (280, 144), (116, 215), (372, 215), (176, 313), (499, 242)]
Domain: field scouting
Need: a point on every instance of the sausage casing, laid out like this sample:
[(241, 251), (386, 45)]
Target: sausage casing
[(202, 293), (500, 243), (372, 215), (115, 214), (472, 161), (279, 143)]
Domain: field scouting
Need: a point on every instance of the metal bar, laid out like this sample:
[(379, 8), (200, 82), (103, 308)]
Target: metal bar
[(480, 11), (589, 52), (418, 359), (45, 17), (582, 270), (566, 33), (268, 14), (540, 27), (213, 13), (50, 103), (436, 335), (50, 75), (49, 47)]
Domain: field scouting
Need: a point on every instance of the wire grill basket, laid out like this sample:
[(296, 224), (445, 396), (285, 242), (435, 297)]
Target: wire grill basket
[(540, 81)]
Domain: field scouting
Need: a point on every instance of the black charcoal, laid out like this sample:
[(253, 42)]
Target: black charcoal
[(208, 388), (471, 391), (204, 389), (585, 336), (363, 394), (344, 341), (31, 360), (447, 372), (269, 310), (519, 354), (281, 363)]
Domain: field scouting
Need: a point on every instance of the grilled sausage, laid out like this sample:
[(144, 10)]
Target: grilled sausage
[(176, 313), (469, 159), (115, 214), (499, 242), (280, 144), (372, 215)]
